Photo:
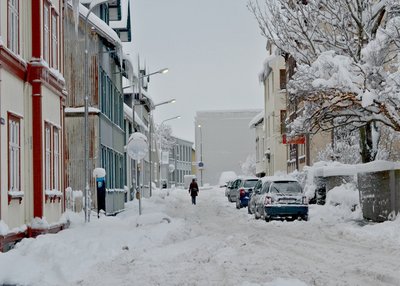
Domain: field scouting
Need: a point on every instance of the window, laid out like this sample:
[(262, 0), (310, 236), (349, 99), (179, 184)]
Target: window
[(111, 100), (13, 26), (283, 119), (54, 41), (282, 79), (47, 142), (14, 153), (46, 32), (56, 159), (52, 158), (104, 14), (257, 150)]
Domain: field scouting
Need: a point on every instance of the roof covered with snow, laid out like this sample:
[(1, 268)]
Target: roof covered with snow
[(123, 23), (257, 120), (101, 27)]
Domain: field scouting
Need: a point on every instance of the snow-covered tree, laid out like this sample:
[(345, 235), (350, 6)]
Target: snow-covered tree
[(347, 55), (345, 147), (164, 133), (249, 166)]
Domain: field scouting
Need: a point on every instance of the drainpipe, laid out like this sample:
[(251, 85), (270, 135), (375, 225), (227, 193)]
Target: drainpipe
[(1, 123)]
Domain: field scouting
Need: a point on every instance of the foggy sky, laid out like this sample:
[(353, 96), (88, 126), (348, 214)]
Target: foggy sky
[(214, 52)]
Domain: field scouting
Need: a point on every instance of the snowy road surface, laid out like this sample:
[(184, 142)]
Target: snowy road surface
[(211, 243)]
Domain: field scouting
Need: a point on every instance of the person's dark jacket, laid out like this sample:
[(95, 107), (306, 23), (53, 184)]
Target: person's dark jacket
[(193, 189)]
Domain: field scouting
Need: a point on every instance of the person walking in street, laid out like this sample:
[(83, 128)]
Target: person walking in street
[(193, 190)]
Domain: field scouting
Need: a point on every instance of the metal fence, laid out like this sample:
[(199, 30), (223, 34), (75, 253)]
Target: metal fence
[(115, 201)]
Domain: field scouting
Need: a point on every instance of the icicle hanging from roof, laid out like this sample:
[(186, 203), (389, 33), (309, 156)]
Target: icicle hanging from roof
[(75, 9)]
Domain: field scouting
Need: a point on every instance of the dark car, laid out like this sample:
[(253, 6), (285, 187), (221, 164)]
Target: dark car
[(244, 192), (281, 198)]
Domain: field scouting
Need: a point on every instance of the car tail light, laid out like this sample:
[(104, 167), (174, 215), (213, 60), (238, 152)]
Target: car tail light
[(242, 192), (268, 200), (305, 200)]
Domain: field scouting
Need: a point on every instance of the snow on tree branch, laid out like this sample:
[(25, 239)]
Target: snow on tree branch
[(347, 55)]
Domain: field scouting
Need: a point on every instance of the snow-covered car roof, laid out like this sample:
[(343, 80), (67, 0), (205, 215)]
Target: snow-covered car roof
[(247, 178), (278, 179)]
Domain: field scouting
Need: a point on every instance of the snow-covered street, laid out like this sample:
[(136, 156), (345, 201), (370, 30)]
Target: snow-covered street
[(212, 243)]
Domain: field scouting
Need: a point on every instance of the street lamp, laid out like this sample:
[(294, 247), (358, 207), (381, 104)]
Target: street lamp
[(150, 141), (162, 122), (165, 70), (165, 102), (92, 5), (201, 164)]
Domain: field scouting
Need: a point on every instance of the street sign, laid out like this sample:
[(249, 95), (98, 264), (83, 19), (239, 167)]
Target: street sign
[(200, 165), (137, 146)]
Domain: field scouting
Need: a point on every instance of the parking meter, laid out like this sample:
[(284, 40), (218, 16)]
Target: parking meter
[(101, 194)]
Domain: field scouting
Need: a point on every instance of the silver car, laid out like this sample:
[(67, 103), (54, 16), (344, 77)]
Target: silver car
[(255, 195), (231, 192), (227, 188), (281, 198)]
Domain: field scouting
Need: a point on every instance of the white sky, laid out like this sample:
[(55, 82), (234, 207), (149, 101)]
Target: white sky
[(210, 244), (214, 52)]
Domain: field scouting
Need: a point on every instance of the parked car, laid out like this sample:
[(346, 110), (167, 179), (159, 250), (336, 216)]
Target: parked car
[(231, 192), (281, 198), (228, 187), (255, 195), (244, 191)]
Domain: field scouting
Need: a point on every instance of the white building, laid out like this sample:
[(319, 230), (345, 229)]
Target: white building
[(180, 161), (223, 141), (258, 124), (274, 145)]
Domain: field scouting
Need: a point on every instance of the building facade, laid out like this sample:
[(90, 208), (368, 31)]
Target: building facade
[(302, 150), (146, 170), (274, 80), (180, 162), (32, 100), (257, 123), (103, 84), (223, 142)]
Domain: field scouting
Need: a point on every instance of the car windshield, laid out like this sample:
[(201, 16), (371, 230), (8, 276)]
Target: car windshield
[(286, 188), (250, 183)]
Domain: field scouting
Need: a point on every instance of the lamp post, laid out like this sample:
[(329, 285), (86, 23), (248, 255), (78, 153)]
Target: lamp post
[(160, 162), (150, 140), (86, 121), (201, 164)]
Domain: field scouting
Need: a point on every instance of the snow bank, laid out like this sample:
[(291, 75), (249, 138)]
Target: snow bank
[(342, 205)]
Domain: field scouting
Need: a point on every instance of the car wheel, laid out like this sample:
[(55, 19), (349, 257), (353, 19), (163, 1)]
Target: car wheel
[(267, 218), (305, 217)]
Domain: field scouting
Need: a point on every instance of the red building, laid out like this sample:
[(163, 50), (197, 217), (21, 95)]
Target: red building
[(32, 96)]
